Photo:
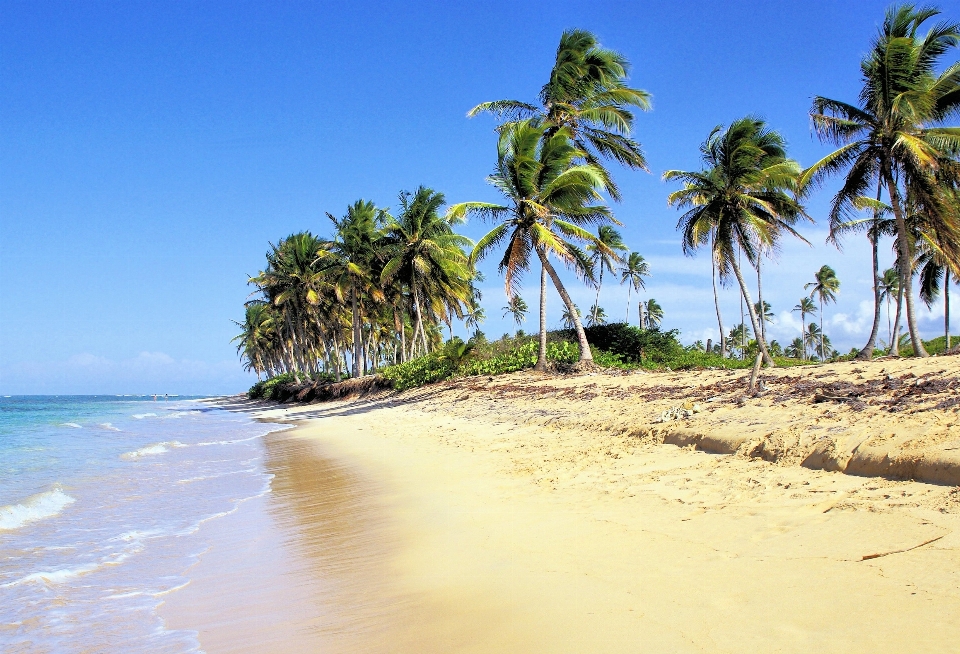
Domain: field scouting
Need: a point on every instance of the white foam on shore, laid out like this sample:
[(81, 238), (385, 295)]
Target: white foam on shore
[(150, 450), (35, 507)]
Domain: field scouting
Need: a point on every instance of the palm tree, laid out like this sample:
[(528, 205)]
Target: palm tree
[(653, 313), (889, 288), (825, 286), (813, 335), (894, 138), (424, 253), (597, 316), (348, 261), (796, 349), (517, 308), (935, 269), (805, 307), (549, 196), (567, 318), (632, 274), (742, 201), (765, 314), (604, 253), (588, 95), (741, 335)]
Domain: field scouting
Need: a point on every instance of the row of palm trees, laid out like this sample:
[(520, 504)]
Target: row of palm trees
[(378, 292), (381, 289)]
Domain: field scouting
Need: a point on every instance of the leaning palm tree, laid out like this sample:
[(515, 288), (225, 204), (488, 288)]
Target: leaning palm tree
[(894, 138), (588, 95), (805, 307), (604, 253), (517, 308), (742, 201), (551, 199), (825, 286), (632, 274)]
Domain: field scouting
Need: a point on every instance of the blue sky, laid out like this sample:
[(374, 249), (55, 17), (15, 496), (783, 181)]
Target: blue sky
[(150, 151)]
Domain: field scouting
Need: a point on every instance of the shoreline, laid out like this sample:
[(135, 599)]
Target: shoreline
[(507, 518)]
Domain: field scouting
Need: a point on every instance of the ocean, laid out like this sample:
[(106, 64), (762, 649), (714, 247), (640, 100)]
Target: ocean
[(102, 505)]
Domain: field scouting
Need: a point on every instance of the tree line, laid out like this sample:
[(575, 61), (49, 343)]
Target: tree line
[(383, 288)]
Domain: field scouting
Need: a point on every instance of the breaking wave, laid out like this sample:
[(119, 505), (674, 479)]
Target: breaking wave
[(36, 507)]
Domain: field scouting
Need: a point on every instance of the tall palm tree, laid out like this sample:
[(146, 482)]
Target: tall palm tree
[(653, 313), (604, 253), (517, 308), (765, 312), (805, 307), (935, 271), (348, 261), (587, 94), (551, 199), (424, 253), (825, 286), (632, 274), (894, 137), (814, 335), (889, 288), (743, 200)]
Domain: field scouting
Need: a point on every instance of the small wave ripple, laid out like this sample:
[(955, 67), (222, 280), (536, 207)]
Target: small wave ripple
[(151, 450), (35, 507)]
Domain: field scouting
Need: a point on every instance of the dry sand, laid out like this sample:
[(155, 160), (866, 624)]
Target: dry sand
[(547, 514)]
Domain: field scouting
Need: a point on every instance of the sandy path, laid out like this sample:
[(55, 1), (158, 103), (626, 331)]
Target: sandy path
[(499, 537)]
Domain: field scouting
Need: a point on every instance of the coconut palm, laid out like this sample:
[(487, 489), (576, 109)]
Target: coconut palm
[(567, 318), (889, 288), (825, 286), (740, 337), (796, 349), (587, 94), (597, 316), (517, 308), (632, 274), (805, 307), (604, 253), (765, 313), (813, 335), (653, 314), (551, 199), (347, 260), (742, 201), (894, 138), (935, 272), (425, 254)]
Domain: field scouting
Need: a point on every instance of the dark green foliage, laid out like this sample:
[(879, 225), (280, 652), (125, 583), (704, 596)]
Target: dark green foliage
[(934, 346), (269, 389), (632, 344)]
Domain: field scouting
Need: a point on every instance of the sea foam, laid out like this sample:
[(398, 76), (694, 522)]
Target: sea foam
[(35, 507), (150, 450)]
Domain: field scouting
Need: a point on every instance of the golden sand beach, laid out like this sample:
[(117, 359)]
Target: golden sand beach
[(530, 513)]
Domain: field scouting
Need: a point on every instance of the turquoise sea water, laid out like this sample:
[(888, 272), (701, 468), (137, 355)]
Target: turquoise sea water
[(102, 504)]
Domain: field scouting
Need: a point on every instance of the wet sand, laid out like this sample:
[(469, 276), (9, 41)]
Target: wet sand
[(393, 528)]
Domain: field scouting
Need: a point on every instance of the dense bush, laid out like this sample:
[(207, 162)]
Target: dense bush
[(269, 389), (632, 344), (934, 346)]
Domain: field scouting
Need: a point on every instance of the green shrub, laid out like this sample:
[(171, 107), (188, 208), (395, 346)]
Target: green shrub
[(632, 344), (934, 346), (268, 389)]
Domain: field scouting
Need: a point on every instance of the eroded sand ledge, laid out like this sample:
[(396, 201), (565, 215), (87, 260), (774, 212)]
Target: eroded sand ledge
[(555, 521)]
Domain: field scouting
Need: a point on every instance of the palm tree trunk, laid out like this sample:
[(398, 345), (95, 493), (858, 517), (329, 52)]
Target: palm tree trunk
[(357, 338), (763, 309), (946, 310), (895, 347), (753, 314), (866, 354), (803, 335), (716, 303), (541, 364), (822, 353), (640, 306), (418, 327), (904, 261), (889, 326), (626, 318), (585, 354)]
